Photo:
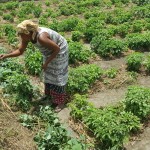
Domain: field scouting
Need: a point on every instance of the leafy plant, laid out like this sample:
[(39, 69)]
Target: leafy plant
[(28, 120), (134, 61), (137, 101), (81, 78), (20, 84), (111, 125), (112, 47), (33, 60), (146, 64), (77, 52), (111, 73), (76, 36), (138, 41)]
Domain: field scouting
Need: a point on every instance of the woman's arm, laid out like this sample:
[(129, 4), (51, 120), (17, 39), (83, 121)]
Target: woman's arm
[(45, 40), (15, 53)]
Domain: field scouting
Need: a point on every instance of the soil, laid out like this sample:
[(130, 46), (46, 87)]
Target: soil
[(13, 136)]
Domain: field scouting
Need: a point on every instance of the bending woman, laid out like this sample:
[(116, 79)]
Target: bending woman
[(54, 48)]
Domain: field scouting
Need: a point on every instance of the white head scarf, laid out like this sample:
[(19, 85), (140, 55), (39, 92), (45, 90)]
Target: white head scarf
[(26, 27)]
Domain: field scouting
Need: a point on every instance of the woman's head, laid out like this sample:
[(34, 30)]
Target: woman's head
[(27, 27)]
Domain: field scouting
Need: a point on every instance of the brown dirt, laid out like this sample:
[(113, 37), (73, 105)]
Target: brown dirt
[(13, 135)]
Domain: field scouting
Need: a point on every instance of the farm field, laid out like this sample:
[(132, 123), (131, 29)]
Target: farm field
[(109, 77)]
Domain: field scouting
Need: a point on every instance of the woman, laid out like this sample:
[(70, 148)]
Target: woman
[(54, 48)]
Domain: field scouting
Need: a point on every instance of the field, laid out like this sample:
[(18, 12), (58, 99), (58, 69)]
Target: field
[(109, 77)]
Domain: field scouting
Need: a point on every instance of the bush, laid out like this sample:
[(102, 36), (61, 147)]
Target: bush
[(138, 41), (110, 47), (76, 36), (146, 64), (134, 61), (141, 2), (111, 125), (33, 61), (137, 101), (81, 78), (77, 52)]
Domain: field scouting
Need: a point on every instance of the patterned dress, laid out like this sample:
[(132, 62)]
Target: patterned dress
[(56, 74)]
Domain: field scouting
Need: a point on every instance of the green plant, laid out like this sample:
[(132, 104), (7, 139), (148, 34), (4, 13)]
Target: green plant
[(137, 101), (141, 2), (81, 78), (33, 60), (8, 17), (111, 125), (37, 10), (20, 84), (76, 36), (110, 47), (28, 120), (78, 53), (111, 73), (146, 64), (67, 24), (134, 61), (138, 41)]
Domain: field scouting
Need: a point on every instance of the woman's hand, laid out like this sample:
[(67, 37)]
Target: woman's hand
[(3, 56), (44, 67)]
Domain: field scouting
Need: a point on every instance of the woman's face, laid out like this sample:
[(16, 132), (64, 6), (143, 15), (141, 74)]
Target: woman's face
[(26, 37)]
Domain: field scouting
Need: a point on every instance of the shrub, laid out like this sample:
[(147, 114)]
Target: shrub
[(81, 78), (76, 36), (138, 41), (110, 47), (67, 24), (146, 64), (77, 52), (111, 73), (137, 101), (141, 2), (111, 125), (33, 60), (20, 84), (134, 61)]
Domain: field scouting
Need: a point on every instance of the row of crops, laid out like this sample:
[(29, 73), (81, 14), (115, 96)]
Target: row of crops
[(126, 117), (111, 28)]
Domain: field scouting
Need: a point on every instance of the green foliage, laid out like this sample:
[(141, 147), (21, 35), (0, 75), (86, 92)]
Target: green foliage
[(146, 64), (138, 41), (47, 115), (113, 47), (76, 36), (137, 101), (20, 83), (141, 12), (93, 25), (10, 67), (141, 2), (55, 136), (68, 9), (97, 40), (111, 125), (8, 17), (37, 10), (67, 24), (33, 60), (77, 52), (134, 61), (123, 29), (28, 120), (81, 78), (118, 16), (11, 5), (111, 73)]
